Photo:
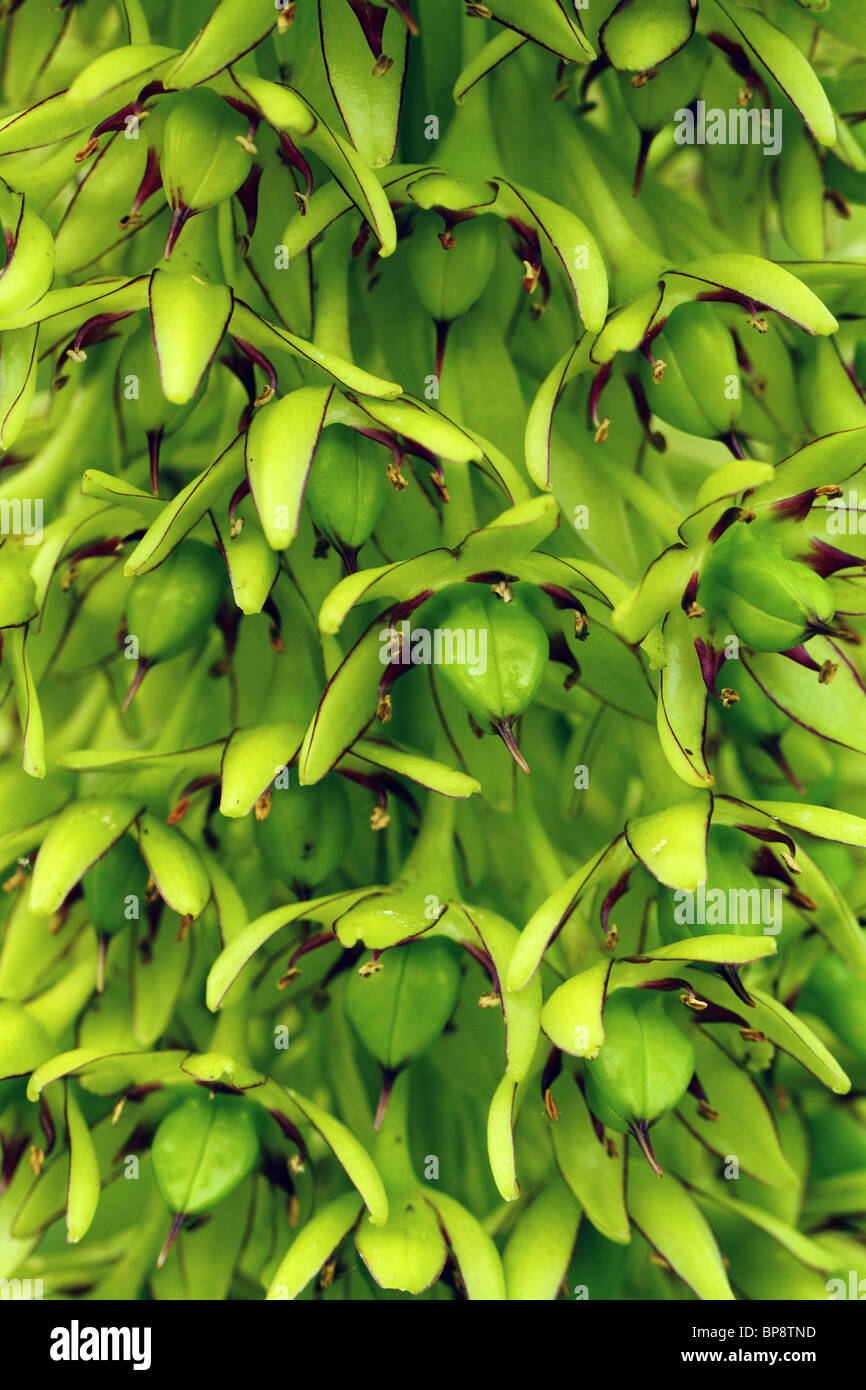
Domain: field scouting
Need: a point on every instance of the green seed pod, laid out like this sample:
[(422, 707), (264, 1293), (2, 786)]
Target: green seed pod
[(698, 390), (203, 161), (643, 1069), (172, 607), (499, 656), (450, 280), (304, 835), (202, 1150), (772, 603), (117, 876), (143, 402), (346, 489), (399, 1012)]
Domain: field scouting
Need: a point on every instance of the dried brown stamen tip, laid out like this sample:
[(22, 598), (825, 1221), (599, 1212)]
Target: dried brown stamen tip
[(285, 16), (603, 430), (531, 275), (800, 899), (37, 1158), (370, 967), (263, 805), (503, 591), (611, 938), (293, 1210), (15, 881), (783, 1099), (827, 672), (760, 325), (656, 1259), (185, 924), (706, 1111), (286, 979), (478, 12), (329, 1271), (384, 709), (236, 527), (382, 65), (396, 477), (640, 79), (303, 202), (550, 1105), (90, 148), (266, 394), (610, 1147), (489, 1001), (581, 624), (729, 697), (658, 369), (692, 1001), (695, 610), (744, 96), (753, 1035), (828, 490), (179, 811), (379, 818), (440, 487)]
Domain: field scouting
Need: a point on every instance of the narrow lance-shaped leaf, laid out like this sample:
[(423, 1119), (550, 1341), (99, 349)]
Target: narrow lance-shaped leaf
[(232, 29), (82, 833), (595, 1175), (682, 704), (476, 1255), (367, 86), (538, 1252), (280, 447), (784, 62), (571, 242), (83, 1183), (673, 1224), (311, 1248), (834, 708)]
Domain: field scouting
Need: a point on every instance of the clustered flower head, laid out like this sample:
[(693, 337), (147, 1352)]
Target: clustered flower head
[(431, 616)]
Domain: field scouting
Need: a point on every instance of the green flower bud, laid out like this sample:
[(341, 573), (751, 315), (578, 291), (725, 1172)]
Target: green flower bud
[(400, 1011), (117, 876), (698, 389), (144, 404), (171, 608), (772, 603), (202, 1150), (303, 837), (502, 660), (347, 489), (203, 161), (449, 280), (643, 1069)]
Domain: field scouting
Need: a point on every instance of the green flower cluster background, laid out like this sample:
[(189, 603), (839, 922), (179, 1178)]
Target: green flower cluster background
[(395, 398)]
